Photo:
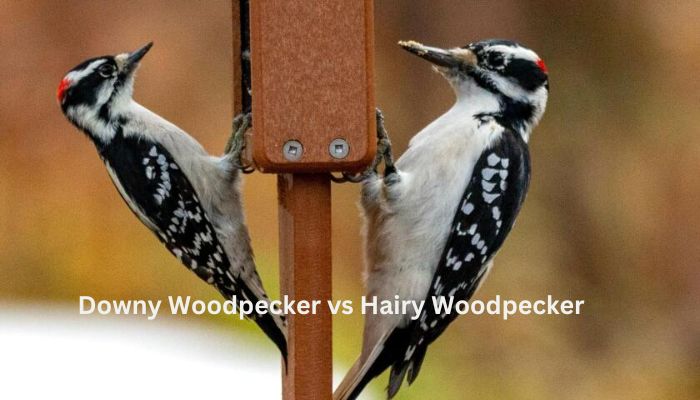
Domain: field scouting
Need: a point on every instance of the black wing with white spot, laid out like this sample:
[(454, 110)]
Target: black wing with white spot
[(484, 218), (163, 198)]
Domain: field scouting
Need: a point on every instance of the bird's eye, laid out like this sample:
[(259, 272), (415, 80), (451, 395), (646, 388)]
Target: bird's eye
[(106, 70), (495, 60)]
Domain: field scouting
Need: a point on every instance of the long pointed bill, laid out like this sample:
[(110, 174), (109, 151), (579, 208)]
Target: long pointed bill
[(440, 57), (132, 60)]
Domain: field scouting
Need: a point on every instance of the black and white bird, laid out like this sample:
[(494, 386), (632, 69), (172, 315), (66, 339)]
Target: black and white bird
[(188, 198), (435, 220)]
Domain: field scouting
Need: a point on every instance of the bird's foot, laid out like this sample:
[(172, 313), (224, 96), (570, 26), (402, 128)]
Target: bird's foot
[(391, 178), (236, 142), (384, 145), (371, 170), (384, 153)]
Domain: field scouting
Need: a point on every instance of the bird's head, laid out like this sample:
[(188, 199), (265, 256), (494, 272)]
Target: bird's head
[(92, 90), (516, 75)]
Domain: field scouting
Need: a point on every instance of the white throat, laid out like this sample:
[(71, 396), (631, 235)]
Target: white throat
[(472, 99), (89, 119)]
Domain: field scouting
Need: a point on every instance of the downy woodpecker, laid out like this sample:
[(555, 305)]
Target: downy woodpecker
[(188, 198), (435, 220)]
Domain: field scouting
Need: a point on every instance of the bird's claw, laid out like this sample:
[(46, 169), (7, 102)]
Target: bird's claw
[(236, 142), (354, 178), (384, 153), (384, 145)]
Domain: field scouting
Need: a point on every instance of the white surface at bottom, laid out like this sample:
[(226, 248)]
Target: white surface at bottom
[(53, 353)]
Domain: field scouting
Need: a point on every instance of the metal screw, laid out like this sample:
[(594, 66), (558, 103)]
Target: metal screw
[(292, 150), (339, 148)]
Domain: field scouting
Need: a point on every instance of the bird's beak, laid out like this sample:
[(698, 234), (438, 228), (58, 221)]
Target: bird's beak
[(451, 58), (132, 59)]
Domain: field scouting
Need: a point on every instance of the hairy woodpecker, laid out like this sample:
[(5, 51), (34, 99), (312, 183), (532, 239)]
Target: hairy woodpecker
[(435, 220), (188, 198)]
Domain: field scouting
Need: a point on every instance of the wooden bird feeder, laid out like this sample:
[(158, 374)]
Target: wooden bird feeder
[(313, 113)]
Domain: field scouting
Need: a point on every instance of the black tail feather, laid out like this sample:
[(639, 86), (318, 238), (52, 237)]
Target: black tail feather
[(394, 347), (362, 384), (405, 370), (266, 321), (416, 363), (398, 372), (268, 325)]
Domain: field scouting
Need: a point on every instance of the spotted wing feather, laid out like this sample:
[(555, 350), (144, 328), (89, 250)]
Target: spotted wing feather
[(163, 198)]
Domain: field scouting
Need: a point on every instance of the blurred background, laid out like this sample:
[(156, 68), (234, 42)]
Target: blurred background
[(612, 215)]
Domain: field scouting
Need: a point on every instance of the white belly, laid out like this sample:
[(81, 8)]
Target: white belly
[(407, 231)]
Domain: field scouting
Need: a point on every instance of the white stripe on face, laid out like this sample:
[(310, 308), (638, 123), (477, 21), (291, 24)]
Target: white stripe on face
[(515, 52), (75, 76)]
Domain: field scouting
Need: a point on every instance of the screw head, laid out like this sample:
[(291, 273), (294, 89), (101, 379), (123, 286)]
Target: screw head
[(339, 148), (292, 150)]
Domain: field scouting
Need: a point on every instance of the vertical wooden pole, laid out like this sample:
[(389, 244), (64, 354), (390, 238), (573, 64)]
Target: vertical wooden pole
[(236, 61), (305, 259), (305, 273), (314, 89)]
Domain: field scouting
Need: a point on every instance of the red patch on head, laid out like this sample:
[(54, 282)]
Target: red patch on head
[(62, 87), (543, 67)]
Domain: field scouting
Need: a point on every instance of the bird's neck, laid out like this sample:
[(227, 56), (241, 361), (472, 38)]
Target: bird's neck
[(101, 124), (96, 125), (478, 102), (517, 116)]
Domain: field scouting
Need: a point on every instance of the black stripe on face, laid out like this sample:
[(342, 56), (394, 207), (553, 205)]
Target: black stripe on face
[(528, 74), (85, 63), (513, 113), (84, 91)]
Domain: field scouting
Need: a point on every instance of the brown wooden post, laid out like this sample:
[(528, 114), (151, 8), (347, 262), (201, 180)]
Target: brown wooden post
[(313, 113), (305, 272)]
